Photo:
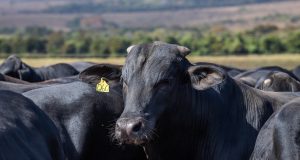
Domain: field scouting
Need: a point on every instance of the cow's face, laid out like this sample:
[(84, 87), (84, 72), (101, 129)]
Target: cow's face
[(151, 75), (11, 66)]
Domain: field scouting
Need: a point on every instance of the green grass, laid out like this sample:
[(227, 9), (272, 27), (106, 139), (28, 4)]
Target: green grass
[(252, 61)]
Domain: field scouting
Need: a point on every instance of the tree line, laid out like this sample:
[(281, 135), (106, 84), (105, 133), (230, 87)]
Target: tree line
[(266, 39)]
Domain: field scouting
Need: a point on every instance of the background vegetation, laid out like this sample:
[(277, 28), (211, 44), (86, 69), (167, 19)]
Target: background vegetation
[(263, 39)]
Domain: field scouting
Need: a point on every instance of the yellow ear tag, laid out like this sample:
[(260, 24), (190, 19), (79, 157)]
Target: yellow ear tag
[(102, 86)]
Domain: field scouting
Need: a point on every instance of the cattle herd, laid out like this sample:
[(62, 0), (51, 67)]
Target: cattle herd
[(157, 106)]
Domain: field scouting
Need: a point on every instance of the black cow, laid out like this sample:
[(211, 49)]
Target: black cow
[(26, 132), (251, 77), (24, 87), (279, 138), (12, 79), (84, 116), (14, 67), (278, 82), (20, 88), (80, 66), (180, 111), (62, 80), (296, 71)]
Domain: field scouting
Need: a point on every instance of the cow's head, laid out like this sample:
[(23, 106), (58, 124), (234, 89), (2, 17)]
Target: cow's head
[(278, 82), (108, 72), (14, 67), (151, 76)]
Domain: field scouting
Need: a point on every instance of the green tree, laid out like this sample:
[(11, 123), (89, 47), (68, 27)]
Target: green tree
[(171, 39), (35, 45), (55, 43), (19, 44), (235, 45), (83, 46), (117, 45), (272, 44), (5, 46), (251, 44), (69, 48), (293, 42)]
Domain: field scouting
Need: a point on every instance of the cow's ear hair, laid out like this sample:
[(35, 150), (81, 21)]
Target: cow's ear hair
[(206, 76), (93, 74)]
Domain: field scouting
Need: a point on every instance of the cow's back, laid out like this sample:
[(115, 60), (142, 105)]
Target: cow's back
[(26, 132), (279, 137)]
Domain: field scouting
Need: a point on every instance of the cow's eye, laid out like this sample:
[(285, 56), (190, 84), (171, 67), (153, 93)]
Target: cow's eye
[(162, 83)]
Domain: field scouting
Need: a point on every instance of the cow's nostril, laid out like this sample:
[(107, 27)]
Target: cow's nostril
[(137, 127)]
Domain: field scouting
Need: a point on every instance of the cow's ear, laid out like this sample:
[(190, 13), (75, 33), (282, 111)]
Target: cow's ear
[(206, 76), (16, 61), (184, 51), (130, 48), (93, 74)]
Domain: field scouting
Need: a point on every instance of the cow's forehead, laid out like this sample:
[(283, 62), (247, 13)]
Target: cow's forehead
[(155, 59), (147, 51)]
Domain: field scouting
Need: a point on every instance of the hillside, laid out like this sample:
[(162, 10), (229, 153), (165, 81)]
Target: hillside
[(240, 17), (143, 5), (100, 6)]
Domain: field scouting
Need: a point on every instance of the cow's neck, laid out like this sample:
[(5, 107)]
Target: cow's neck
[(30, 74), (212, 124), (40, 73)]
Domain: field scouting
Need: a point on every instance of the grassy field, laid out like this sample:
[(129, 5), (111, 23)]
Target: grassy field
[(252, 61)]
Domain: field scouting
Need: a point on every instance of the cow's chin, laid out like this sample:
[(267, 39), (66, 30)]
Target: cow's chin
[(136, 141), (139, 139)]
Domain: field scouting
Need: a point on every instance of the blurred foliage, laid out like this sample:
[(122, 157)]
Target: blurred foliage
[(266, 39)]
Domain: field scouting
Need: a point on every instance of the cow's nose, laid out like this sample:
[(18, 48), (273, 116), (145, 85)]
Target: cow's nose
[(129, 127), (134, 127)]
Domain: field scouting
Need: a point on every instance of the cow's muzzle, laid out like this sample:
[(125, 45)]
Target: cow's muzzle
[(131, 130)]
